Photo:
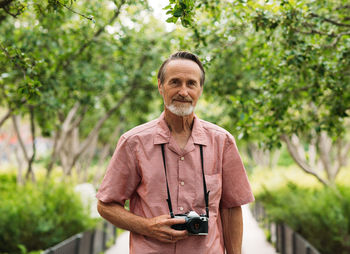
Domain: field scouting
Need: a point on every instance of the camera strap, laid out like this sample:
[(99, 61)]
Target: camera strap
[(206, 193)]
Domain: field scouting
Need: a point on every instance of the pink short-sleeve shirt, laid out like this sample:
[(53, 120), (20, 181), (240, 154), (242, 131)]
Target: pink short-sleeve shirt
[(136, 172)]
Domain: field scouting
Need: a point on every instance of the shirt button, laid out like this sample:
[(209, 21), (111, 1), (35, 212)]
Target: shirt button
[(182, 183), (182, 158), (181, 208)]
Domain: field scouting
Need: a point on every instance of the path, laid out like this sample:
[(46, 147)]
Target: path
[(253, 238)]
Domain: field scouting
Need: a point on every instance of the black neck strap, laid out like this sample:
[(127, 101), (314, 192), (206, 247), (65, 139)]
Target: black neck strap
[(206, 193)]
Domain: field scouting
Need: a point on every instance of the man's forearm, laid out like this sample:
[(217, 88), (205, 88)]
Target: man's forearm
[(157, 227), (122, 218), (232, 224)]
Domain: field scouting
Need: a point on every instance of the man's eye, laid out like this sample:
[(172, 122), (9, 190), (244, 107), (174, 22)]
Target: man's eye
[(192, 83)]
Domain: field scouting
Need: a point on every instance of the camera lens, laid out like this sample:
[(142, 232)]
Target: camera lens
[(194, 225)]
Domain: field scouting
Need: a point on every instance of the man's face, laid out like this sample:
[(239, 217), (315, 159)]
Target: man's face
[(181, 88)]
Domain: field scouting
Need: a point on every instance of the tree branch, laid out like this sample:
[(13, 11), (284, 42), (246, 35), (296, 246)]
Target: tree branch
[(6, 7), (334, 35), (97, 34), (346, 6), (314, 31), (99, 124), (20, 140), (5, 117), (78, 120), (80, 14), (5, 3), (61, 135), (103, 155), (337, 39), (331, 21), (301, 163)]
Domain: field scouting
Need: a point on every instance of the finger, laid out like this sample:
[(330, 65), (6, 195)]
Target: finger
[(175, 221), (179, 233)]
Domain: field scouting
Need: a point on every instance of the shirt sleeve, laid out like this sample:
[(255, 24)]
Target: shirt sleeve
[(236, 190), (122, 176)]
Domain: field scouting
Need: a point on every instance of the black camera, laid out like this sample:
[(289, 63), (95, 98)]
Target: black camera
[(195, 224)]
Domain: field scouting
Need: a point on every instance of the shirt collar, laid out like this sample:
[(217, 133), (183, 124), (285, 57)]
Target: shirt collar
[(163, 135)]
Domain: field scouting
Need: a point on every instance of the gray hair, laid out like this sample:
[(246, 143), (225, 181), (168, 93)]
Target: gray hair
[(181, 55)]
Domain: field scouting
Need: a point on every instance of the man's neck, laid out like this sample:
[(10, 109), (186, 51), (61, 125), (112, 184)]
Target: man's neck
[(179, 124)]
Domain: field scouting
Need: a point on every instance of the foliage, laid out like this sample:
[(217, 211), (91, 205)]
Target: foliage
[(275, 66), (39, 216), (182, 9), (280, 69), (320, 215), (53, 59)]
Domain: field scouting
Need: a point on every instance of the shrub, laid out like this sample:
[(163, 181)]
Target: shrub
[(38, 216), (322, 216)]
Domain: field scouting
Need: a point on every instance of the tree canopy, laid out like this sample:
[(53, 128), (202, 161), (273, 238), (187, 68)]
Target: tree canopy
[(278, 70)]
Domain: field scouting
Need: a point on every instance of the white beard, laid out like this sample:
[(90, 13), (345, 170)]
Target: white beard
[(183, 110)]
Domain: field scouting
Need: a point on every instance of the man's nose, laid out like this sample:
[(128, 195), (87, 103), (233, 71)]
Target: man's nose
[(183, 90)]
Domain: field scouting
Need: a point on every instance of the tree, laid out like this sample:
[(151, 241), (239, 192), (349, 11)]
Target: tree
[(282, 69), (67, 69)]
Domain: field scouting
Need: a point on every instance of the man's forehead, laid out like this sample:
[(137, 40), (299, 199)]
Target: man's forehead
[(182, 66)]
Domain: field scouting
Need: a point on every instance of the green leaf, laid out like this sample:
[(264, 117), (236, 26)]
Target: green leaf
[(178, 12), (172, 20)]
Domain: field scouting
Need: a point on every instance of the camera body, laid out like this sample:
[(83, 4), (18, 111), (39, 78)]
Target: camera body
[(195, 224)]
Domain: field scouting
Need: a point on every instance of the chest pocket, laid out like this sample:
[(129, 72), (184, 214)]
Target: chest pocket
[(214, 184)]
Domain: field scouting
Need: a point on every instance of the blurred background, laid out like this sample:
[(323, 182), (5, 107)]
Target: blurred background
[(75, 75)]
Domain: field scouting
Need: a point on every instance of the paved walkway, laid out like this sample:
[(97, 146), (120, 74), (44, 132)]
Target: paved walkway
[(254, 241), (253, 238)]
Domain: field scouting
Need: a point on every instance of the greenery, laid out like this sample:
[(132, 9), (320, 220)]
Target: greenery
[(68, 74), (282, 70), (35, 217), (80, 73), (319, 215)]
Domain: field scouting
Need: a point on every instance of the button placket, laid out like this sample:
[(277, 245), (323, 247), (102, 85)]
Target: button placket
[(181, 183)]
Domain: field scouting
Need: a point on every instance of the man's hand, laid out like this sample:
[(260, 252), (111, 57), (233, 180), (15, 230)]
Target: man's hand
[(157, 227), (160, 229)]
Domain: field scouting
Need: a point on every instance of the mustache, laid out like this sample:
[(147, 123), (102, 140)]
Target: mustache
[(180, 98)]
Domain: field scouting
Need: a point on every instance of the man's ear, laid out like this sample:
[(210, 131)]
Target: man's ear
[(160, 90)]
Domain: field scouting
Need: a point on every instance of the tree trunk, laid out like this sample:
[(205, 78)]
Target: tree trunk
[(15, 122), (30, 171), (85, 160), (60, 137), (104, 154), (65, 64), (20, 180), (95, 131), (296, 151)]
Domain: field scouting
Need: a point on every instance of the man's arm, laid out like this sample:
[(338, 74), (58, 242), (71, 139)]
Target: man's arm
[(232, 224), (157, 227)]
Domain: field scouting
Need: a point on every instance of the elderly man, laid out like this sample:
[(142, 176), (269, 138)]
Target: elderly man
[(174, 165)]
